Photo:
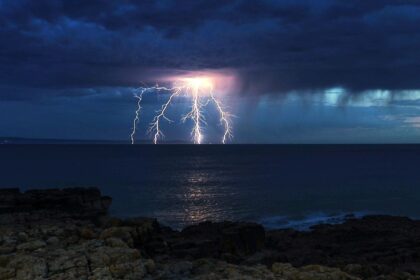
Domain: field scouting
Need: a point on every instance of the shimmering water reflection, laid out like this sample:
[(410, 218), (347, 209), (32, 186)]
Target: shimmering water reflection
[(183, 184), (201, 196)]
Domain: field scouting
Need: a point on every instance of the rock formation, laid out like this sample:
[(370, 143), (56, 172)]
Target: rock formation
[(67, 234)]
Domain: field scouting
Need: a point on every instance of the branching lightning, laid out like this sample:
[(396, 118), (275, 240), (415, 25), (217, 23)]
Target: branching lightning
[(224, 119), (137, 117), (201, 92), (155, 125), (196, 116)]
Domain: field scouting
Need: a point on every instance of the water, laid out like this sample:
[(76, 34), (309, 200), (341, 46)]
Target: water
[(279, 185)]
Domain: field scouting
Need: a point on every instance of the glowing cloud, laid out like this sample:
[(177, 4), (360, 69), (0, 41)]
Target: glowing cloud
[(201, 89)]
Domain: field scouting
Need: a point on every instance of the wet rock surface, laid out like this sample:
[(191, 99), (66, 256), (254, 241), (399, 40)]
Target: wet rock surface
[(67, 234)]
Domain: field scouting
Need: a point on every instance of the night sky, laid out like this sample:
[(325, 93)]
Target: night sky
[(320, 71)]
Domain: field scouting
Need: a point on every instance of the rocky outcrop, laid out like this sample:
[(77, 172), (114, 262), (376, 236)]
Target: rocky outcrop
[(206, 269), (40, 205), (224, 240), (74, 249), (366, 247), (67, 234)]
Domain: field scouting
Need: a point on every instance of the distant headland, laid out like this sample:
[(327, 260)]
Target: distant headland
[(20, 140)]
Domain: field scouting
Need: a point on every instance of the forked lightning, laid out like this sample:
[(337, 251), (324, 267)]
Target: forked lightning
[(201, 92)]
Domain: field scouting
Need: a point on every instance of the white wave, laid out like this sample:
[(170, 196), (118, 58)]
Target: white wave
[(305, 223)]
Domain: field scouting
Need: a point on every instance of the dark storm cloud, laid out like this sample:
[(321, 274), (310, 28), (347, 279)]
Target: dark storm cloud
[(275, 46)]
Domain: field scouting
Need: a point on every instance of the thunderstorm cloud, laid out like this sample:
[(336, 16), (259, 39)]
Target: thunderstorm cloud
[(274, 46)]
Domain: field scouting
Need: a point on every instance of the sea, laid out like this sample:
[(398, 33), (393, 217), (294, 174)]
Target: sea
[(279, 186)]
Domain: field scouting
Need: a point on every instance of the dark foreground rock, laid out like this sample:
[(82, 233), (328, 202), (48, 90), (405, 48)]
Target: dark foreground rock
[(40, 205), (364, 247), (67, 234), (224, 240)]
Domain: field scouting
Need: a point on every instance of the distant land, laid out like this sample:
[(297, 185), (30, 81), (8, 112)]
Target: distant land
[(52, 141), (20, 140)]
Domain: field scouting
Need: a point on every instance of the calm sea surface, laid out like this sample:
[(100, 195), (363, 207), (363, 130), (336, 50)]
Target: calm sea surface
[(279, 185)]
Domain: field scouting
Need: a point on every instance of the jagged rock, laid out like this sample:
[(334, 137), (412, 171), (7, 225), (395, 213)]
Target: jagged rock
[(7, 273), (312, 272), (150, 266), (145, 229), (36, 205), (123, 233), (28, 267), (7, 248), (51, 242), (87, 233), (379, 244), (31, 245), (22, 236), (120, 262), (68, 264), (182, 268), (225, 239), (115, 242)]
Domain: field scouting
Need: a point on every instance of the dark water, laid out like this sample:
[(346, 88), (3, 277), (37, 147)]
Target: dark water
[(279, 185)]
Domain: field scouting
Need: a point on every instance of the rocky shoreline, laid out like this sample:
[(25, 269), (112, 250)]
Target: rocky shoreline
[(67, 234)]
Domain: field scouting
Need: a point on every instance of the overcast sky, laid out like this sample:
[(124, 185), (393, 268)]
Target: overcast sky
[(309, 71)]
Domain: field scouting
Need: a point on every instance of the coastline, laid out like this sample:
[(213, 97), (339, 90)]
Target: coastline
[(68, 234)]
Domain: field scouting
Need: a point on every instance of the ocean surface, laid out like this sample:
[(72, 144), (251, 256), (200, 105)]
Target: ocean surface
[(277, 185)]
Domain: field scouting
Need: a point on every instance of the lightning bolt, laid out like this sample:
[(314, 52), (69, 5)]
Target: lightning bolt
[(196, 116), (137, 117), (155, 125), (224, 119), (197, 121), (139, 98), (201, 91)]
